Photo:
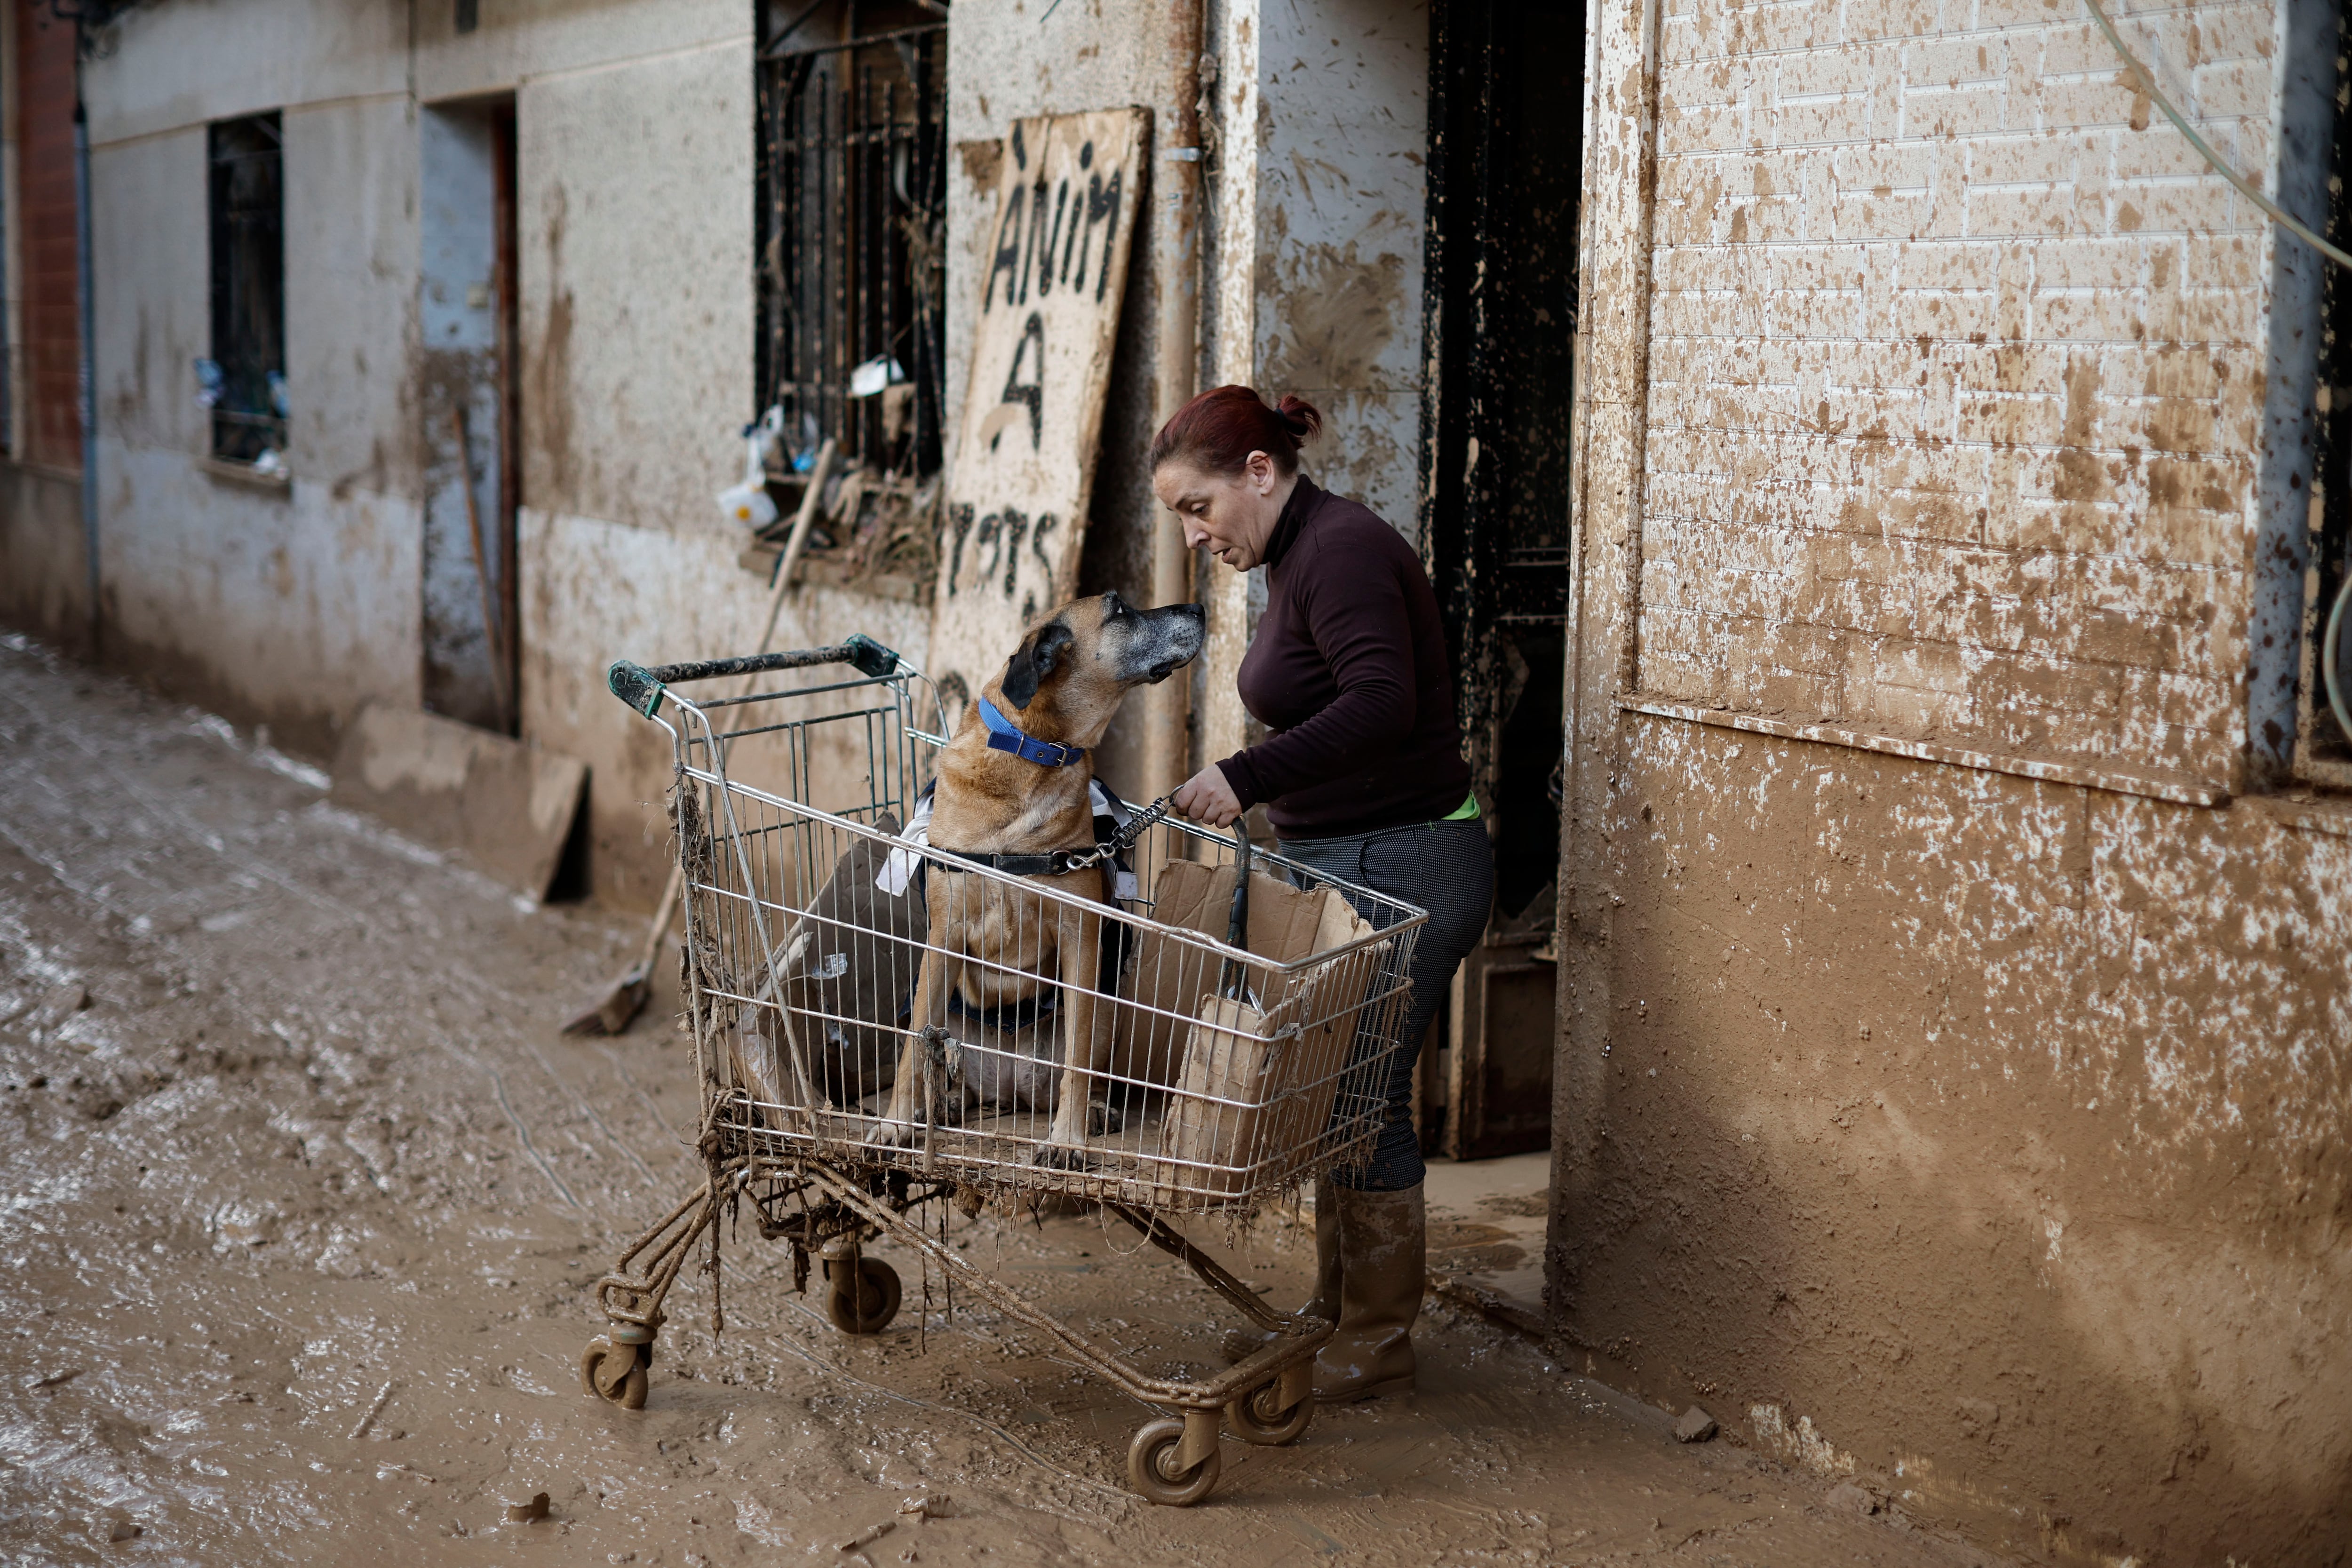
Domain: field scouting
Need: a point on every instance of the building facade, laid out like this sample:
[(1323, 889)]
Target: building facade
[(1884, 486)]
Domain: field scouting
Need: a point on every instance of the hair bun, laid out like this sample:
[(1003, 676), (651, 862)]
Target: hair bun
[(1219, 429), (1299, 416)]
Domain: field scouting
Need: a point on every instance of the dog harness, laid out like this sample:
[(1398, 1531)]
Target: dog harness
[(1005, 735), (1115, 828)]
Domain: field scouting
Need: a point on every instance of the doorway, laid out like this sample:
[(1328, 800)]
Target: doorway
[(1506, 173), (466, 314)]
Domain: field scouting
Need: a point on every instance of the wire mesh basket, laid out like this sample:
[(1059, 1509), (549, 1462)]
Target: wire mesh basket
[(1174, 1023), (1214, 1075)]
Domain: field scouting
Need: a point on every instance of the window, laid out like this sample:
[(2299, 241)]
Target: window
[(245, 380), (852, 157)]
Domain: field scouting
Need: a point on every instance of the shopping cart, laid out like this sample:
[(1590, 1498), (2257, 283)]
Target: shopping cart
[(1240, 1064)]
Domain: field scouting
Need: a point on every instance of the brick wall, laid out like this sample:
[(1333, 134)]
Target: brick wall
[(1956, 366), (46, 245)]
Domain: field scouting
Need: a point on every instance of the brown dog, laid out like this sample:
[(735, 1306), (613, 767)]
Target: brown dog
[(1016, 784)]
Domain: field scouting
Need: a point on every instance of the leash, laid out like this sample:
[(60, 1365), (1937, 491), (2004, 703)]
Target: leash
[(1120, 842), (1059, 862)]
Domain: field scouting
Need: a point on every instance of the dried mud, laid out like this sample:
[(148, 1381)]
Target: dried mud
[(304, 1196)]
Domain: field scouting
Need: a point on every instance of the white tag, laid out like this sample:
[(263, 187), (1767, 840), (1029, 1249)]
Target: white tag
[(899, 868)]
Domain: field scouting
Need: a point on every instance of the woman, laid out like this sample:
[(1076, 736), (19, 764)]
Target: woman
[(1363, 778)]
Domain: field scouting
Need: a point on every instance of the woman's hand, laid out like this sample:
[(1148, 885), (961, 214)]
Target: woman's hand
[(1207, 797)]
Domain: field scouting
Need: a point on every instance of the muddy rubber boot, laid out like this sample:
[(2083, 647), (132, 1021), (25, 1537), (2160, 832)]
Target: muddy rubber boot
[(1383, 1252), (1325, 1302), (1243, 1343)]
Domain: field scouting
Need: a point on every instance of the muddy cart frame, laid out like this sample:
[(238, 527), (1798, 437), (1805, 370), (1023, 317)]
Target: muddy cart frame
[(1233, 1077)]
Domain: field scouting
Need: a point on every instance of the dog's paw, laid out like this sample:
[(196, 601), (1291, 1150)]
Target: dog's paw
[(1104, 1119), (897, 1131), (892, 1135), (1062, 1157)]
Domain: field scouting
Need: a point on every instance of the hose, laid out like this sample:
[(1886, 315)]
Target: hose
[(2146, 83), (2327, 657)]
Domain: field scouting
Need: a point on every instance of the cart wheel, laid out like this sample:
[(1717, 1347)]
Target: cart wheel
[(1152, 1454), (876, 1303), (1255, 1419), (614, 1373)]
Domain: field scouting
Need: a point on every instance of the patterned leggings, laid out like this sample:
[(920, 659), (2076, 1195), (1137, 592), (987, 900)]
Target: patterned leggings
[(1447, 868)]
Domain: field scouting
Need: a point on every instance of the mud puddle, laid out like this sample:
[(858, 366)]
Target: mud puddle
[(303, 1196)]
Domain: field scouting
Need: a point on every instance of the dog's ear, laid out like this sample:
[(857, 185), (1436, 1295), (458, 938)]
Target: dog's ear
[(1034, 661)]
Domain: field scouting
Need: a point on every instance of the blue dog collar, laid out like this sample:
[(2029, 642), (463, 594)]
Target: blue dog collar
[(1004, 736)]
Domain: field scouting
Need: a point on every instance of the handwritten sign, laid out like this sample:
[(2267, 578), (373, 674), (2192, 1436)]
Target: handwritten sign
[(1024, 456)]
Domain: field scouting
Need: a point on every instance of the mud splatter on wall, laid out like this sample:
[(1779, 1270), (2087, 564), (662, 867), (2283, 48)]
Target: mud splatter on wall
[(1972, 1135), (1339, 148)]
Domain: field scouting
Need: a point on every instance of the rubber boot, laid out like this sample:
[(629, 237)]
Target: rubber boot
[(1243, 1343), (1383, 1251), (1325, 1302)]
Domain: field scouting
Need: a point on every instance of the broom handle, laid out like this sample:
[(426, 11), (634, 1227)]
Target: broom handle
[(810, 500), (664, 912)]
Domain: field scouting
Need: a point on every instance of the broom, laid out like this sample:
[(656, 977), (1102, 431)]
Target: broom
[(612, 1012)]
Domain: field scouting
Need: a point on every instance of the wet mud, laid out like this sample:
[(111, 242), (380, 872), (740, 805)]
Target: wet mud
[(304, 1196)]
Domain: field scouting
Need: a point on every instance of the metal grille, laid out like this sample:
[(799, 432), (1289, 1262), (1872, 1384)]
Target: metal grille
[(852, 203), (248, 277)]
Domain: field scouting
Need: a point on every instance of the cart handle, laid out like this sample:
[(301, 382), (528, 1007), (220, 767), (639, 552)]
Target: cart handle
[(642, 689)]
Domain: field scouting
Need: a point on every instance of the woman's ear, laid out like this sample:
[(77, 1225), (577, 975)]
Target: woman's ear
[(1261, 472)]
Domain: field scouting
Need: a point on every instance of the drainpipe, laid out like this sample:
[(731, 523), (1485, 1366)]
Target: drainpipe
[(1229, 288), (82, 271), (1167, 757)]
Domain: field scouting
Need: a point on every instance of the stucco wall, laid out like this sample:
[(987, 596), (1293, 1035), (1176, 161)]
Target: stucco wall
[(1982, 1138), (1955, 378), (1343, 97), (1970, 1133), (284, 605), (635, 248), (634, 128), (1319, 115)]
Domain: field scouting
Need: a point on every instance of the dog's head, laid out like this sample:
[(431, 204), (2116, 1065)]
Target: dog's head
[(1076, 663)]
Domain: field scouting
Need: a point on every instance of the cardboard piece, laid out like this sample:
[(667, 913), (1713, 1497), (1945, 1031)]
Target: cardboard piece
[(1247, 1081), (1023, 477), (506, 808)]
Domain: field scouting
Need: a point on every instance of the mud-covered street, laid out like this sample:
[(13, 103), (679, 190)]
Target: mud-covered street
[(305, 1194)]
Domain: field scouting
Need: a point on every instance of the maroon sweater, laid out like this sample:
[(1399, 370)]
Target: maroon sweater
[(1349, 670)]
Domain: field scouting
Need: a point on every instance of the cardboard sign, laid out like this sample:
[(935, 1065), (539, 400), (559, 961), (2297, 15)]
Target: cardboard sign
[(1024, 458)]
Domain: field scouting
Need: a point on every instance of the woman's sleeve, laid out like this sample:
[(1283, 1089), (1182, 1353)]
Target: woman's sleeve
[(1354, 609)]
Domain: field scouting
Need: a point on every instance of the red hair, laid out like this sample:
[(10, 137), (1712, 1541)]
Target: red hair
[(1218, 430)]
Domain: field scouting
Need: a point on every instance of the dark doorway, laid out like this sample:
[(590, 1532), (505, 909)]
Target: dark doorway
[(1506, 172), (2324, 744), (467, 318)]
